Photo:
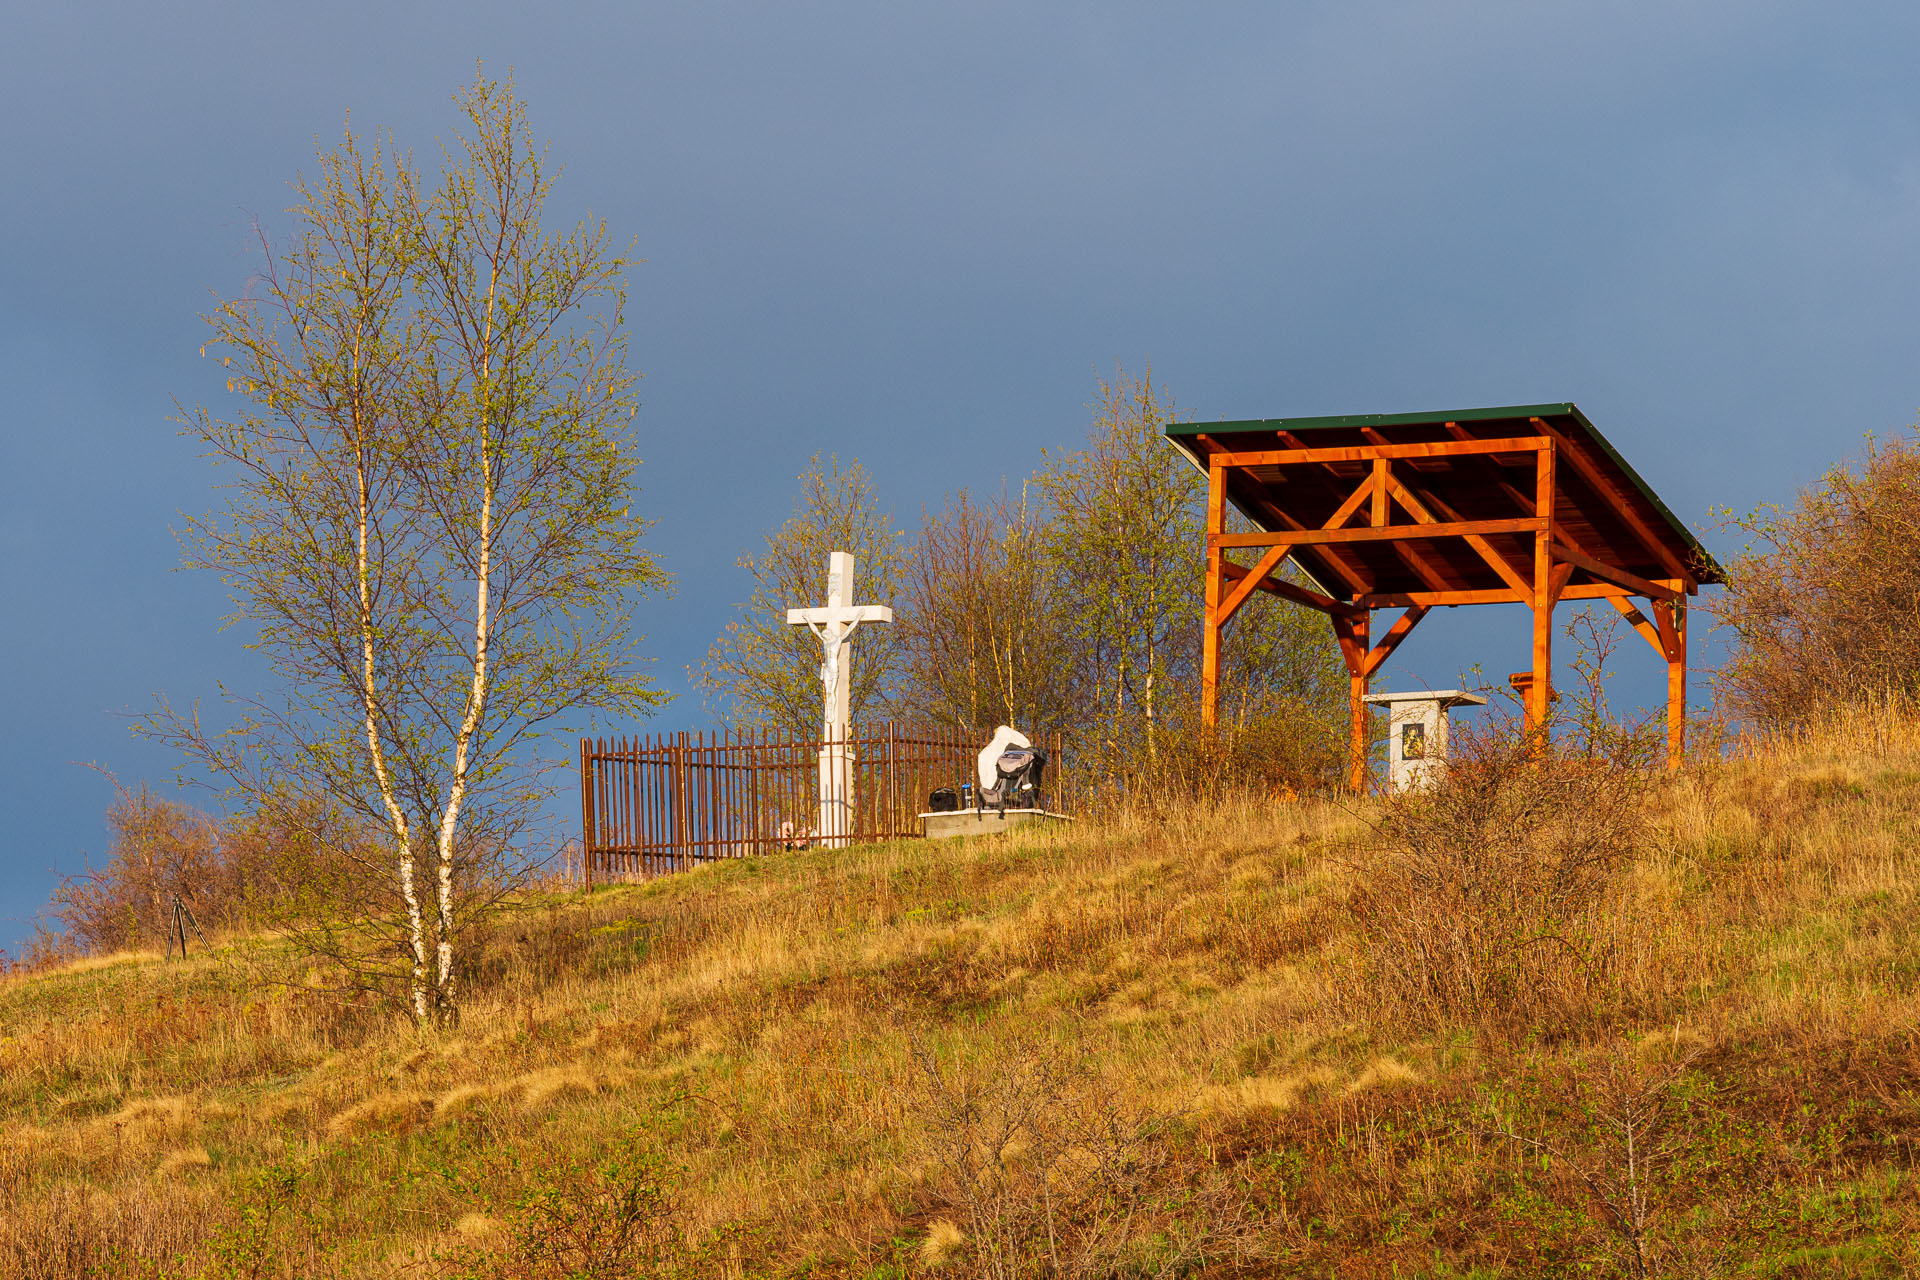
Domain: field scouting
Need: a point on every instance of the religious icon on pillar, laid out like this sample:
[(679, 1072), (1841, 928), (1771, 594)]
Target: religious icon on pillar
[(835, 624)]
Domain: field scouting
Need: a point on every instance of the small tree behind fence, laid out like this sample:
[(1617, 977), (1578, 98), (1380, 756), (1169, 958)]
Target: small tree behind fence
[(665, 802)]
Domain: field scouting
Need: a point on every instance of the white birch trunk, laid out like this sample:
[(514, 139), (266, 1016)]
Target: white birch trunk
[(477, 691), (370, 709), (476, 702)]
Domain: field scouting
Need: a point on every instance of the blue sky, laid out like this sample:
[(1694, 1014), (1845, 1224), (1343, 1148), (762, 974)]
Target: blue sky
[(911, 234)]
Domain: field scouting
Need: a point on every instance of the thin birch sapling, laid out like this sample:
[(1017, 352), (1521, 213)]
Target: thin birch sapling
[(429, 525)]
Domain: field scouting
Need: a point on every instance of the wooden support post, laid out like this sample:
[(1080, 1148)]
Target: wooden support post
[(1673, 629), (1352, 631), (1539, 692), (1216, 585)]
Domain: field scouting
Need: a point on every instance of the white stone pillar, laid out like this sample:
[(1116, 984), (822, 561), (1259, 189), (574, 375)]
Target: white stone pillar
[(1417, 733)]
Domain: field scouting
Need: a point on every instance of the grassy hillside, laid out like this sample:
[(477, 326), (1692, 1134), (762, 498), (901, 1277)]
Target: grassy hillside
[(1198, 1047)]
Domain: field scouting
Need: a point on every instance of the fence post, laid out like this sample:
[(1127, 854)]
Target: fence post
[(586, 817)]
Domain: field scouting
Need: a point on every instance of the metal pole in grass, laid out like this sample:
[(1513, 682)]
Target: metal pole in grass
[(182, 917)]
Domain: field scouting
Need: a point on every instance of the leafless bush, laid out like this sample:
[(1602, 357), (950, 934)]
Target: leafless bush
[(160, 849), (293, 866), (1498, 895), (1822, 602), (1586, 724), (282, 864), (978, 628), (1053, 1175), (578, 1219)]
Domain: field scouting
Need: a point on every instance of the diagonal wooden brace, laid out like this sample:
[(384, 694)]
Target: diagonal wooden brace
[(1391, 641), (1497, 562), (1638, 621), (1244, 589)]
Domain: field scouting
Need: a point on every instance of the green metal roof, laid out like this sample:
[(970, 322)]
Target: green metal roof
[(1381, 420), (1565, 416)]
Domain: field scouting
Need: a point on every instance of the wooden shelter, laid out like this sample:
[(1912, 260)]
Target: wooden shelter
[(1525, 504)]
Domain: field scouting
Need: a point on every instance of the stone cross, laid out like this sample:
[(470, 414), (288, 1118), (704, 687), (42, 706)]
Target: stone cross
[(835, 624)]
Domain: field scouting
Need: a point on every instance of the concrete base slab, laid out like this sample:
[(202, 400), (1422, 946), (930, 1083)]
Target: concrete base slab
[(983, 822)]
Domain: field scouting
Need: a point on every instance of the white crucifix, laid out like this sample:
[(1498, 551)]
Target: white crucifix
[(834, 624)]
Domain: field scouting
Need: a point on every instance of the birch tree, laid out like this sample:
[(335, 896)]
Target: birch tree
[(1127, 516), (1124, 539), (428, 523)]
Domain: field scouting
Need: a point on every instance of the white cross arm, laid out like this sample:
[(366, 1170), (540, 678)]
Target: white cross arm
[(839, 613)]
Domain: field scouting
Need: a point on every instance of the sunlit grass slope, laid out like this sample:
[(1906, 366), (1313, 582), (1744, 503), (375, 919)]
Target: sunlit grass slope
[(1144, 1048)]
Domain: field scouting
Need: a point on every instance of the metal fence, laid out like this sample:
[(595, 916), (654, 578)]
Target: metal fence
[(662, 803)]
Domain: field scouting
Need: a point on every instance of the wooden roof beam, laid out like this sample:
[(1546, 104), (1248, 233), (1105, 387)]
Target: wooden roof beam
[(1471, 530), (1499, 595), (1355, 578), (1422, 568), (1638, 621), (1590, 472), (1291, 591), (1368, 452), (1391, 641), (1248, 581), (1608, 573), (1495, 561)]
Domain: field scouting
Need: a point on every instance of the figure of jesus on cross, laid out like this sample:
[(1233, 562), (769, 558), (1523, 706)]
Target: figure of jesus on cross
[(834, 624)]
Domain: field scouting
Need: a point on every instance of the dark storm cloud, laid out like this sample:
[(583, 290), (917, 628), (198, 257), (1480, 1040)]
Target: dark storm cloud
[(909, 233)]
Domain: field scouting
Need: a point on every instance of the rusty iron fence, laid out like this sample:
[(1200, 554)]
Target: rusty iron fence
[(664, 802)]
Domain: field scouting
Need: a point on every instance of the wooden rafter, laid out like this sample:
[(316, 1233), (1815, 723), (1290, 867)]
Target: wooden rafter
[(1350, 571), (1608, 573), (1290, 591), (1506, 595), (1495, 561), (1471, 530), (1368, 452), (1268, 563), (1590, 473), (1355, 579)]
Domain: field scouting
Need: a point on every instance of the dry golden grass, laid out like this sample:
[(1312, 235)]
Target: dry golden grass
[(1136, 1044)]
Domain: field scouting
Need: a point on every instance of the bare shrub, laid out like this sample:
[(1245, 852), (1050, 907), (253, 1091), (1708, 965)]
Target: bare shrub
[(159, 850), (281, 866), (1050, 1173), (978, 627), (1587, 724), (1498, 896), (1822, 601), (614, 1216)]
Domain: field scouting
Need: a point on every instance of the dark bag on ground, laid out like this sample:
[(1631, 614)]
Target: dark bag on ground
[(943, 800)]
